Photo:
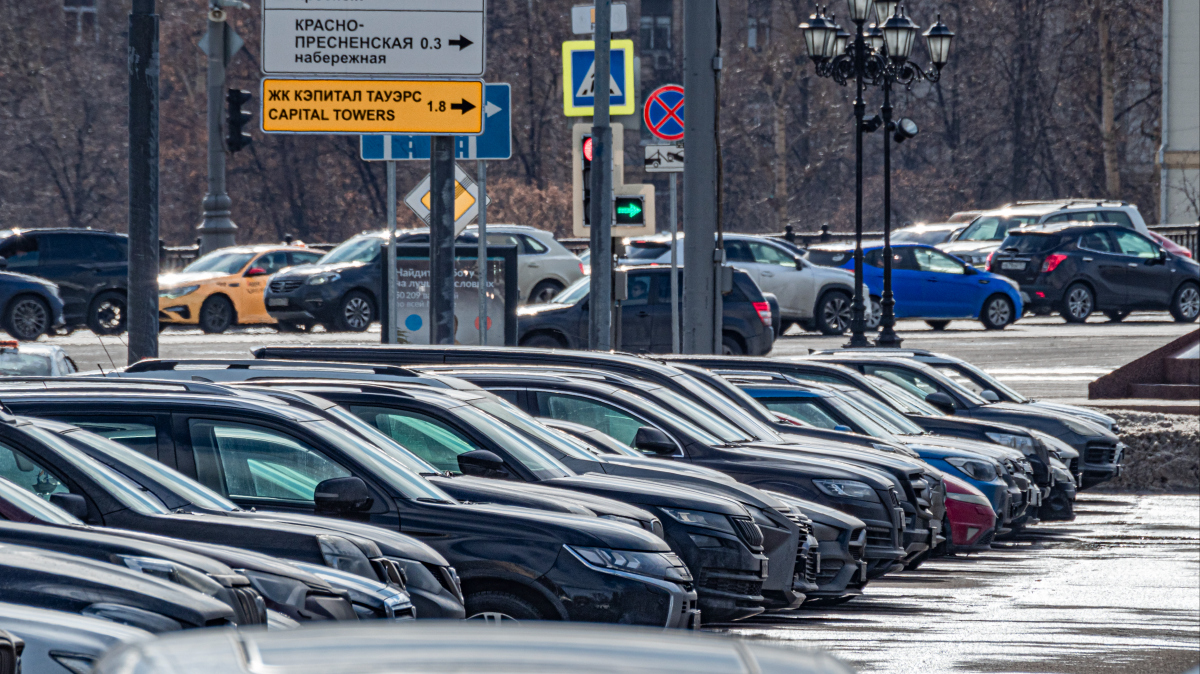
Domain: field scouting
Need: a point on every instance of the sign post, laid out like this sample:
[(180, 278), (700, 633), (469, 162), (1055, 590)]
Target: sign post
[(600, 324), (481, 255), (442, 209), (390, 324)]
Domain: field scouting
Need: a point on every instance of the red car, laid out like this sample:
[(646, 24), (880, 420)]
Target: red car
[(972, 520)]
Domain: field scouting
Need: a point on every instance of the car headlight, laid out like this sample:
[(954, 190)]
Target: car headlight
[(983, 471), (1021, 443), (1079, 427), (343, 555), (172, 293), (665, 565), (699, 518), (969, 498), (825, 533), (322, 279), (847, 489)]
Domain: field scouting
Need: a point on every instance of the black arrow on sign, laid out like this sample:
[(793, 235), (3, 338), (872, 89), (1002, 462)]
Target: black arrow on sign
[(466, 106), (462, 42)]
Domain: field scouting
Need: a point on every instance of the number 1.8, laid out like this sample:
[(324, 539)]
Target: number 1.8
[(441, 106)]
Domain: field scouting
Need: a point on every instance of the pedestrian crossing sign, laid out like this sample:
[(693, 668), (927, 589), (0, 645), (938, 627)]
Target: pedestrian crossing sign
[(579, 78)]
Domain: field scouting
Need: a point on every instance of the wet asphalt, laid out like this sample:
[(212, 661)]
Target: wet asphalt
[(1117, 590)]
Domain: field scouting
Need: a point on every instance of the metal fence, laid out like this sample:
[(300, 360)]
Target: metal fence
[(1187, 236)]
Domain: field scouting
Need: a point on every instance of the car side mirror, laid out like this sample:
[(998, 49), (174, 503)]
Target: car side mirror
[(653, 441), (1163, 255), (843, 428), (799, 263), (72, 503), (969, 270), (941, 401), (483, 463), (256, 271), (989, 395), (342, 496)]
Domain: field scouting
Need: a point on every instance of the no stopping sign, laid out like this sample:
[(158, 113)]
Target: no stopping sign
[(664, 112)]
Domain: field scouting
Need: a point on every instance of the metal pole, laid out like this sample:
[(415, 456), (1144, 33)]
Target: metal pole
[(600, 319), (887, 336), (700, 61), (857, 324), (674, 269), (481, 254), (217, 230), (143, 68), (391, 325), (441, 241)]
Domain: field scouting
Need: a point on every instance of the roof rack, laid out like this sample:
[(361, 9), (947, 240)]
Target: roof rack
[(365, 387), (77, 383), (151, 365), (1067, 203), (774, 377), (557, 370)]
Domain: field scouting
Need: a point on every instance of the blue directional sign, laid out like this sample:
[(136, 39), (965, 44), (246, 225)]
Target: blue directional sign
[(580, 81), (494, 143)]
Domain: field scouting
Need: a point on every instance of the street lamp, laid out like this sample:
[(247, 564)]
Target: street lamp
[(879, 56)]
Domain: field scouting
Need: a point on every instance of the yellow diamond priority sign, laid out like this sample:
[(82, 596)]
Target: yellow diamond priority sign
[(466, 200)]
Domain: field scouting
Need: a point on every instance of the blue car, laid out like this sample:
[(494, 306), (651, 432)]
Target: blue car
[(29, 306), (931, 285)]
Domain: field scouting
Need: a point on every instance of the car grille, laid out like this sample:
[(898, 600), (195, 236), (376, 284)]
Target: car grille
[(749, 532), (252, 610), (986, 539), (829, 571), (858, 543), (285, 286), (1100, 453), (1074, 467), (879, 537), (810, 567), (734, 586)]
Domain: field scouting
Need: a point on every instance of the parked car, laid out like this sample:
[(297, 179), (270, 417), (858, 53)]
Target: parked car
[(972, 522), (815, 297), (1079, 268), (562, 323), (89, 266), (544, 266), (39, 360), (225, 287), (931, 285), (929, 234), (339, 291), (31, 306), (58, 642)]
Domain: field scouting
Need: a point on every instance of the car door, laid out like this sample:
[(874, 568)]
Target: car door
[(908, 283), (781, 273), (70, 262), (1103, 266), (1149, 281), (947, 292), (252, 309), (636, 320), (738, 255)]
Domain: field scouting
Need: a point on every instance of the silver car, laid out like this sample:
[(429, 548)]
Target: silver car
[(63, 643)]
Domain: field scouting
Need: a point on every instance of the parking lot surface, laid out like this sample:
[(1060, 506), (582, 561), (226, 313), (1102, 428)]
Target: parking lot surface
[(1117, 590)]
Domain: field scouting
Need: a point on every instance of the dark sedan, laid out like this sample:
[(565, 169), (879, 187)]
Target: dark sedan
[(30, 306), (340, 291)]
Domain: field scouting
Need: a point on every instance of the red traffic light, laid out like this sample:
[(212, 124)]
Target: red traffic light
[(587, 148)]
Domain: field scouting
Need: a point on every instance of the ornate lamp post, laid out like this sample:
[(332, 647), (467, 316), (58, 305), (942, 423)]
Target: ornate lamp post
[(878, 56)]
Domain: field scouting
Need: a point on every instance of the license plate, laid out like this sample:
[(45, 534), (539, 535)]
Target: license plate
[(277, 302), (1017, 266)]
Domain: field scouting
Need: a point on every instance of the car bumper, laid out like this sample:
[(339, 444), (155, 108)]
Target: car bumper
[(843, 570), (592, 594), (1100, 462), (972, 525), (306, 304), (183, 310)]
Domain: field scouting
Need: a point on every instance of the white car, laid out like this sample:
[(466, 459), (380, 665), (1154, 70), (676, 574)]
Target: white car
[(545, 267), (815, 297), (34, 360)]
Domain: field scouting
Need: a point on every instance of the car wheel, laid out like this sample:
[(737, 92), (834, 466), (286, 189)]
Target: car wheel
[(874, 315), (1185, 306), (500, 607), (1116, 316), (834, 313), (106, 315), (216, 315), (355, 312), (543, 341), (998, 312), (731, 347), (1078, 304), (937, 325), (544, 292), (27, 318)]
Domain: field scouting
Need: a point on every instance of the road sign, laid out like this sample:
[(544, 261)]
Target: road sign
[(372, 106), (466, 200), (579, 78), (375, 37), (664, 112), (583, 19), (494, 143), (664, 158)]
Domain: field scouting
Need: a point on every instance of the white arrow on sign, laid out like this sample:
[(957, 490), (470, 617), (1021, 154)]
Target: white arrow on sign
[(491, 109), (466, 199)]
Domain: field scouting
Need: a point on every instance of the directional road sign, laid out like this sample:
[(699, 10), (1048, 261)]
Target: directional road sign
[(583, 19), (374, 37), (664, 158), (494, 143), (466, 200), (372, 106), (664, 112), (579, 78)]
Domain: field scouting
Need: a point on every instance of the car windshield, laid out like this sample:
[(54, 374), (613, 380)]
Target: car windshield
[(900, 424), (490, 416), (730, 412), (928, 237), (514, 416), (382, 440), (574, 292), (646, 250), (30, 504), (828, 258), (382, 463), (640, 404), (1028, 243), (868, 424), (902, 398), (13, 362), (699, 416), (182, 486), (955, 371), (357, 249), (226, 262), (994, 227)]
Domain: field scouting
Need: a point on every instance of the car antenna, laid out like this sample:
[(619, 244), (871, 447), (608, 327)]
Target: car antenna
[(103, 346)]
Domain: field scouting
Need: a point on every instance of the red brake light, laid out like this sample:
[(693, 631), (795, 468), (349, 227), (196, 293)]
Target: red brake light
[(581, 271), (989, 260), (1052, 261), (764, 312)]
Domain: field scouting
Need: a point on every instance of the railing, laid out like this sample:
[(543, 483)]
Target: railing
[(1187, 236)]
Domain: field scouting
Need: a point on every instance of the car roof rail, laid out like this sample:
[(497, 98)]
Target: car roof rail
[(539, 370), (755, 375), (154, 365), (382, 388), (100, 383)]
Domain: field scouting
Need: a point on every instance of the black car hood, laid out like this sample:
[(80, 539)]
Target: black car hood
[(824, 514), (690, 477), (536, 496), (391, 543), (788, 460), (578, 530), (1018, 412), (307, 270), (655, 493), (857, 453)]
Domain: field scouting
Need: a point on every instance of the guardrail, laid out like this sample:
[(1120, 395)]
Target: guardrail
[(1187, 236)]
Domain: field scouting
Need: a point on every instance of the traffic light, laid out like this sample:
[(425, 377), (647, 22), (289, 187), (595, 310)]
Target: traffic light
[(236, 119), (629, 210), (585, 152)]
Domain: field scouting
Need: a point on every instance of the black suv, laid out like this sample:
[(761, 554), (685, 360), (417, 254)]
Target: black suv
[(90, 267), (646, 316), (1078, 268)]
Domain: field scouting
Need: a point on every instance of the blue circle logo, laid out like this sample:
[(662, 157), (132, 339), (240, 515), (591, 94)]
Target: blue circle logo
[(413, 322)]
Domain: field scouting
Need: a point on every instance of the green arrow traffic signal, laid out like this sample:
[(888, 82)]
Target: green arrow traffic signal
[(630, 211)]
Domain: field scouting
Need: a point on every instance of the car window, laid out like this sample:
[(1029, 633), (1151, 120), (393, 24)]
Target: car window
[(807, 410), (768, 254), (601, 416), (252, 461), (68, 248), (993, 228), (1118, 218), (423, 435), (928, 237), (662, 291), (828, 258), (1029, 242), (220, 262), (639, 289), (28, 504), (930, 260), (20, 252), (413, 239), (22, 471), (738, 251), (137, 433), (1097, 241), (358, 249), (506, 240), (304, 258), (912, 381), (272, 262), (874, 257), (574, 292), (109, 249), (13, 362), (533, 246), (1132, 243)]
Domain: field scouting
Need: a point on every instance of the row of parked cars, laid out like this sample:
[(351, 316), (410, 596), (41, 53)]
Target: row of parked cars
[(320, 484)]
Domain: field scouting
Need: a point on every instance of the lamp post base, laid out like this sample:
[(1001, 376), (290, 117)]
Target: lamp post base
[(888, 339), (857, 341)]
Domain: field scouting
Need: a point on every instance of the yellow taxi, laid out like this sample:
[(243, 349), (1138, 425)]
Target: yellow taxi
[(225, 287)]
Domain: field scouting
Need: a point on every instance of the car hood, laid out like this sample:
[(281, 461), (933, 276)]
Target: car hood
[(535, 309), (955, 247), (964, 446), (568, 529), (1024, 415), (821, 514), (790, 461), (692, 477), (391, 543), (538, 497), (184, 278), (12, 276), (44, 631), (304, 271), (643, 492), (1103, 420)]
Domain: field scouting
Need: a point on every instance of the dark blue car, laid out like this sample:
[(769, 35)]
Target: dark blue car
[(31, 305), (931, 285)]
